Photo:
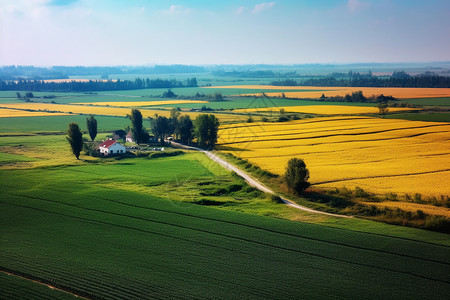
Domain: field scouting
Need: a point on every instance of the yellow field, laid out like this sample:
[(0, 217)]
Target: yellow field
[(141, 103), (413, 207), (323, 109), (401, 93), (9, 113), (107, 111), (378, 155)]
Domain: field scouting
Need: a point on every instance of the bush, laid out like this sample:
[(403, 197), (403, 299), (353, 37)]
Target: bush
[(165, 154), (276, 198), (360, 193)]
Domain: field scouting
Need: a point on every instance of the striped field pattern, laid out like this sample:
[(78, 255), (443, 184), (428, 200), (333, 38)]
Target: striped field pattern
[(324, 109), (375, 154), (316, 92)]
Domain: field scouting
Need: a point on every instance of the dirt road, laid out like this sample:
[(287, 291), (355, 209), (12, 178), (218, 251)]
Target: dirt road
[(252, 181)]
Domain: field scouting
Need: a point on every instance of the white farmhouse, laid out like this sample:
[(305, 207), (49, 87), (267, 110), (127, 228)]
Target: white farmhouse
[(110, 147)]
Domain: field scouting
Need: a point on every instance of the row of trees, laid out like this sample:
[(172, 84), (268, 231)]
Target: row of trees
[(357, 96), (94, 85), (398, 79), (205, 128)]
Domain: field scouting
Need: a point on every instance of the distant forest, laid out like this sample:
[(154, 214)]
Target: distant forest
[(398, 79), (63, 72), (93, 85)]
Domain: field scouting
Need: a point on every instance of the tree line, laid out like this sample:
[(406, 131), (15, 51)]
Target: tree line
[(204, 128), (94, 85), (396, 80)]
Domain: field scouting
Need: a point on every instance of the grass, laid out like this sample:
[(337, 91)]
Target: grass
[(75, 227), (57, 123)]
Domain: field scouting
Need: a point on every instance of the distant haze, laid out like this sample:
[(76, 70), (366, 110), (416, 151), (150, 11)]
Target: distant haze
[(137, 32)]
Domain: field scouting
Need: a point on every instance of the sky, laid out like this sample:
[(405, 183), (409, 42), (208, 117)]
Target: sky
[(200, 32)]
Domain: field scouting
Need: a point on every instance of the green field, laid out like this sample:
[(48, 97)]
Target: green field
[(96, 229), (58, 123), (434, 101), (427, 117)]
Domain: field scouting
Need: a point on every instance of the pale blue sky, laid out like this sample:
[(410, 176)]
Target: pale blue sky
[(136, 32)]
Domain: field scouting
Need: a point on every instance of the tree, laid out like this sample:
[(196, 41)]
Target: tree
[(173, 120), (297, 175), (91, 124), (206, 128), (184, 129), (75, 138), (19, 96), (136, 125), (160, 128), (383, 109), (169, 94)]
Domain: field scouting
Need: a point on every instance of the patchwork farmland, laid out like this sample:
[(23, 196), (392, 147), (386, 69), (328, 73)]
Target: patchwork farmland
[(182, 226), (379, 155)]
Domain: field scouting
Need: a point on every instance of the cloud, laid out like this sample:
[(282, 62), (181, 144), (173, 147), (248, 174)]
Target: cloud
[(61, 2), (356, 5), (262, 7), (178, 10), (240, 10)]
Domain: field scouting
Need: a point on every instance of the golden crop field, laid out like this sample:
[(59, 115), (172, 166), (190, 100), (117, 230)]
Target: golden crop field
[(378, 155), (401, 93), (324, 109), (141, 103), (102, 110), (10, 113)]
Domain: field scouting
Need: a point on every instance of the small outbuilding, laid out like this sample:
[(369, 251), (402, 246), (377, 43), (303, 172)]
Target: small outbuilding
[(112, 147), (129, 138)]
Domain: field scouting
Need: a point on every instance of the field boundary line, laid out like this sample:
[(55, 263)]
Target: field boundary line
[(253, 182), (40, 281)]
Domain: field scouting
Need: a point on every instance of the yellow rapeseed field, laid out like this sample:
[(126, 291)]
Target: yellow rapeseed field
[(8, 113), (324, 109), (378, 155), (305, 91), (141, 103), (107, 111)]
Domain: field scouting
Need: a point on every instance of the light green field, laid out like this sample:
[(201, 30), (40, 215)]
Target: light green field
[(59, 123)]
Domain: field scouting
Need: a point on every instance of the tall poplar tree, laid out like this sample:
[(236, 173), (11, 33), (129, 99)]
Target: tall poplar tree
[(91, 123), (75, 138)]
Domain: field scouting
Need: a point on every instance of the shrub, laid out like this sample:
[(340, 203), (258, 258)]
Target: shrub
[(391, 196), (165, 154), (276, 198), (360, 193), (417, 198)]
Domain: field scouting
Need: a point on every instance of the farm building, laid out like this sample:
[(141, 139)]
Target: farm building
[(129, 137), (111, 147)]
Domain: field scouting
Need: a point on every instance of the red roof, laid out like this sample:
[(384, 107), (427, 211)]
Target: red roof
[(108, 143)]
